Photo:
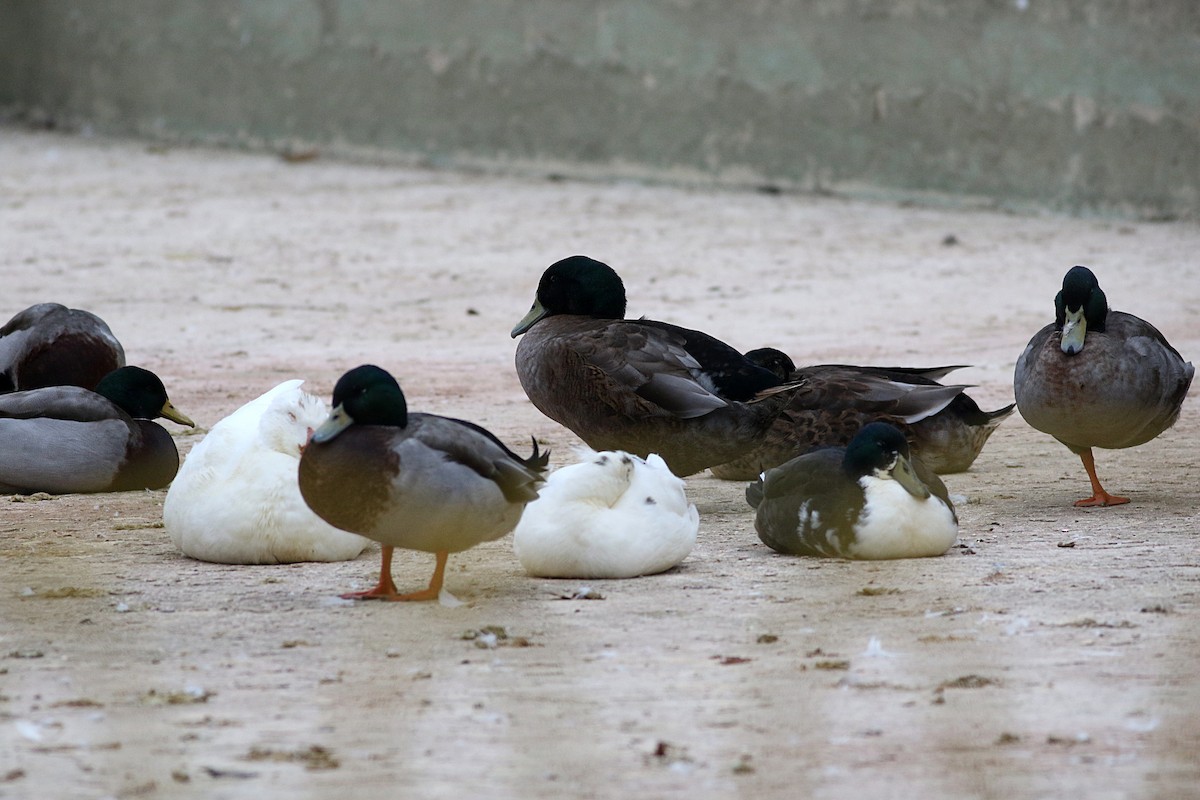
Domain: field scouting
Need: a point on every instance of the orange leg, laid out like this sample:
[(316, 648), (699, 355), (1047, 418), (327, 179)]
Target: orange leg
[(386, 589), (1099, 496), (435, 583)]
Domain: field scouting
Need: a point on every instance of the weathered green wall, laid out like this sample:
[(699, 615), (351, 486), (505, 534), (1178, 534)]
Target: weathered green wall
[(1095, 108)]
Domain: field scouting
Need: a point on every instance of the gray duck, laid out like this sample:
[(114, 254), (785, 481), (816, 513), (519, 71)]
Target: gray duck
[(51, 345), (65, 439), (1099, 378), (416, 481)]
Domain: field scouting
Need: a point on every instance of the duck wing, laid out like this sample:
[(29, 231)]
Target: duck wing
[(62, 403), (805, 502), (479, 450), (722, 368), (910, 374), (60, 456), (835, 388), (652, 363)]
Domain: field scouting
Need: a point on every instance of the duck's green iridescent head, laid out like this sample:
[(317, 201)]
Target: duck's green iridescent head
[(576, 285), (140, 394), (1080, 306), (366, 395), (880, 449)]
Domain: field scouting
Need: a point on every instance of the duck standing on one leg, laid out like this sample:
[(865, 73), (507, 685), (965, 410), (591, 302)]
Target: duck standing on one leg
[(863, 501), (637, 385), (417, 481), (1099, 378)]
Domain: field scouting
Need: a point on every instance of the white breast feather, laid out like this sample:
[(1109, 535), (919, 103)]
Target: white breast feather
[(898, 525)]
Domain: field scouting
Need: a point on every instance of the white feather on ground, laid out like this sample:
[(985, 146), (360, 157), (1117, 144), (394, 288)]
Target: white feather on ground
[(612, 515), (236, 499)]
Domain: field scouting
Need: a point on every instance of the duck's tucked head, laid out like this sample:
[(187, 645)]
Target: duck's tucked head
[(140, 394), (1080, 306), (577, 285), (879, 450), (366, 395), (289, 421), (775, 361)]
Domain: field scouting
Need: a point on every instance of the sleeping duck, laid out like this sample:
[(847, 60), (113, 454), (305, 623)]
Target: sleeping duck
[(612, 515), (944, 426), (1099, 378), (236, 499), (417, 481), (863, 501), (51, 345), (637, 385), (64, 439)]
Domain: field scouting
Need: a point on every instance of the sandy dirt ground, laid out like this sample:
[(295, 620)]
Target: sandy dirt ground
[(1052, 653)]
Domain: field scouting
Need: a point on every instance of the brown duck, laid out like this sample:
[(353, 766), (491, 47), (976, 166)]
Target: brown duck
[(832, 402), (640, 386)]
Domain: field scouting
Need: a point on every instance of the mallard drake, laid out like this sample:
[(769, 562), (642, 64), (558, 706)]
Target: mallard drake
[(611, 515), (639, 386), (64, 439), (236, 499), (51, 345), (863, 501), (1099, 378), (944, 426), (417, 481)]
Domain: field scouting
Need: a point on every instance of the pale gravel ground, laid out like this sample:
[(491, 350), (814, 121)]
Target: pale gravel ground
[(1012, 667)]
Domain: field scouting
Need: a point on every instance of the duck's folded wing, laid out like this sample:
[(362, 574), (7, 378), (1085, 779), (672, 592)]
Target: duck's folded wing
[(59, 402), (804, 476), (910, 374), (1130, 328), (480, 451), (61, 456), (654, 364), (720, 367), (837, 388)]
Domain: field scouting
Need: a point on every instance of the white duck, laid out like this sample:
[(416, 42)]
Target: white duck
[(612, 515), (236, 499)]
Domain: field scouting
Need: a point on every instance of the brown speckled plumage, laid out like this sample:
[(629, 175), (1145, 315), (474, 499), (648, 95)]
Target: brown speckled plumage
[(944, 427), (641, 386), (596, 377)]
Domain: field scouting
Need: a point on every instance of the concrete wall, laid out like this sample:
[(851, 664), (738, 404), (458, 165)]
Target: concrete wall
[(1087, 106)]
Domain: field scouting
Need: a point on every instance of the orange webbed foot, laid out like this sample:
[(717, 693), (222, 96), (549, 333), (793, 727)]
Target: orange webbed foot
[(386, 589), (378, 593), (1100, 500)]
